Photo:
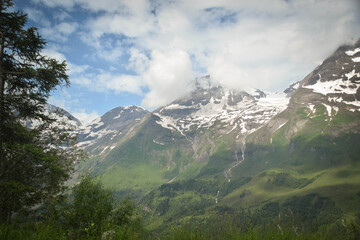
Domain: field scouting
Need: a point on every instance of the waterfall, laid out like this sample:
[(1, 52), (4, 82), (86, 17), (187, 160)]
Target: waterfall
[(227, 172)]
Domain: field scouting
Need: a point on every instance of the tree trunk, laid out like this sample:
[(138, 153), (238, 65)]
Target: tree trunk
[(2, 90), (2, 82)]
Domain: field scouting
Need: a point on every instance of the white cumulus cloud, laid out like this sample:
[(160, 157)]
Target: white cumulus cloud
[(84, 116), (169, 77), (157, 45)]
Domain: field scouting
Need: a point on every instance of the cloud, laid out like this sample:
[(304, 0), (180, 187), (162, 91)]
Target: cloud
[(169, 77), (158, 45), (37, 16), (105, 82), (85, 117), (61, 15), (73, 70), (76, 69), (121, 83), (228, 75), (130, 25), (104, 5), (107, 48), (55, 3), (71, 104), (138, 61), (53, 53), (59, 32), (59, 102)]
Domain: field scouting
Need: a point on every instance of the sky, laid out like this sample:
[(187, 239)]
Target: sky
[(149, 52)]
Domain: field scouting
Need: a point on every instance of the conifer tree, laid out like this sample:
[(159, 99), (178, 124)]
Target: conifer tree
[(34, 164)]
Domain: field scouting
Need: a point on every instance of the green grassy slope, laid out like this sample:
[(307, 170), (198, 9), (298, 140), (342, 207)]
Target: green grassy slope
[(152, 155), (312, 156), (312, 153)]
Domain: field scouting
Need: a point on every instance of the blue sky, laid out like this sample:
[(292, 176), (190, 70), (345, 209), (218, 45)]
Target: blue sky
[(148, 52)]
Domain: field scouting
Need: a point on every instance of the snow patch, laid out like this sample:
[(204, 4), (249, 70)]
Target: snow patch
[(159, 143), (177, 106), (118, 116), (357, 59), (352, 52), (104, 150), (336, 86), (336, 109), (281, 125), (355, 103), (328, 109), (312, 108), (97, 123), (335, 99), (243, 118), (169, 123), (296, 86), (351, 74)]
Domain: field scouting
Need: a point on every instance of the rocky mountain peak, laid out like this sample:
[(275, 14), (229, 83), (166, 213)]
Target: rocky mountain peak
[(63, 118), (337, 79), (291, 89), (235, 111), (106, 130)]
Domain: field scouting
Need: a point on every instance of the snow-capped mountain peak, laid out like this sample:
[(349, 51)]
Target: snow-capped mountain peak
[(113, 125), (338, 78), (239, 111)]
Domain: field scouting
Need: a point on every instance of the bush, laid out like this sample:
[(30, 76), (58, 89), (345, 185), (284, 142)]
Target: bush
[(93, 210)]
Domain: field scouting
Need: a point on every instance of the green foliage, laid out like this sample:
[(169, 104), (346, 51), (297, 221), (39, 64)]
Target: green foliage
[(33, 168), (89, 209), (307, 217), (90, 212), (126, 214), (286, 180), (31, 231), (224, 229), (229, 227), (93, 210)]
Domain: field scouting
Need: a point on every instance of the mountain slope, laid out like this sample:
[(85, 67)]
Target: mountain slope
[(95, 137), (311, 147), (177, 141), (223, 148), (103, 134), (305, 153), (61, 117)]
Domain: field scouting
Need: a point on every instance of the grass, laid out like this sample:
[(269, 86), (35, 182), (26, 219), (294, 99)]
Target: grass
[(139, 177), (31, 231), (330, 183), (196, 231)]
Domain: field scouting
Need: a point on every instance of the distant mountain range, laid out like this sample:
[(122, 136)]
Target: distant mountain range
[(240, 149)]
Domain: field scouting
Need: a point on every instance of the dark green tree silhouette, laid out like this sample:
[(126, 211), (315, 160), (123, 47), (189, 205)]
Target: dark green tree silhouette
[(33, 168)]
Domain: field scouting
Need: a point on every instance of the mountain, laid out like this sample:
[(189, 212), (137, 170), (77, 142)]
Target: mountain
[(98, 136), (217, 148), (176, 141), (311, 144), (63, 119), (304, 158), (239, 112)]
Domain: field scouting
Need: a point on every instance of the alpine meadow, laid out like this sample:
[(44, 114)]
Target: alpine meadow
[(205, 158)]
